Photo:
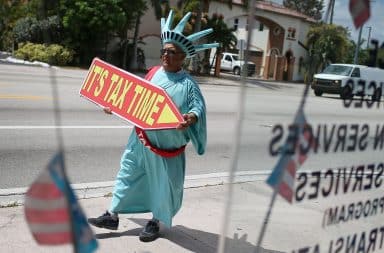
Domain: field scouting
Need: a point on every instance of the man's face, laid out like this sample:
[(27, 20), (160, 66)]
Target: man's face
[(172, 57)]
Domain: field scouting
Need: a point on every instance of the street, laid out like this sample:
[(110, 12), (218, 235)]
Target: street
[(94, 141)]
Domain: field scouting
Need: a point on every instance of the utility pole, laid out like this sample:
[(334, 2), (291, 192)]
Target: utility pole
[(356, 57), (369, 35), (332, 9)]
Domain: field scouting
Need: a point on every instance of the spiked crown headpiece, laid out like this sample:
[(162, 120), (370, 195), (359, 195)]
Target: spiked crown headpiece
[(184, 42)]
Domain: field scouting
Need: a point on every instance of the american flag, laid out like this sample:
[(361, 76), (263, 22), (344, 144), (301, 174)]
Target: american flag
[(283, 175), (360, 11), (52, 212)]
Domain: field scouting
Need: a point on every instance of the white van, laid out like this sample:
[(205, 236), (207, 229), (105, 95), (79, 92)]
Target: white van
[(348, 80)]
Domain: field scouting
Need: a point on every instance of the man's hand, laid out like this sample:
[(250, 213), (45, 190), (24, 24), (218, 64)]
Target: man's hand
[(189, 119), (107, 110)]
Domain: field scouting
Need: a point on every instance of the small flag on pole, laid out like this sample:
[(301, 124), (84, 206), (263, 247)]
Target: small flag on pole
[(360, 11), (52, 212), (283, 175)]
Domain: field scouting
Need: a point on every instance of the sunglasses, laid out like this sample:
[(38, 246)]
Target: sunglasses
[(169, 52)]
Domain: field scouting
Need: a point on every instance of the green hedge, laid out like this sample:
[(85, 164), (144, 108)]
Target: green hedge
[(53, 54)]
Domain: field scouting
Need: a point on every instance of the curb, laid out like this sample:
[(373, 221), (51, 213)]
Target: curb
[(15, 196)]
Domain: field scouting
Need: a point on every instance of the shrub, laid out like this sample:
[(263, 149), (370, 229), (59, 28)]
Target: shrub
[(30, 29), (27, 29), (53, 54)]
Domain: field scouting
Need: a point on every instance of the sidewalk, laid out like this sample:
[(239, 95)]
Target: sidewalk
[(198, 225), (196, 228)]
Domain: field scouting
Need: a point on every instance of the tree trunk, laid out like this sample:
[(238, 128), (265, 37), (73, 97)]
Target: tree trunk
[(106, 47), (197, 29), (218, 63), (206, 62), (133, 60), (125, 45)]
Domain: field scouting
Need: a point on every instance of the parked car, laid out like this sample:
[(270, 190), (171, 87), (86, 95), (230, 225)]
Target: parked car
[(231, 62), (348, 80)]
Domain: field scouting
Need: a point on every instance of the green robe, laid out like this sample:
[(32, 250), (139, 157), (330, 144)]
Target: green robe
[(148, 182)]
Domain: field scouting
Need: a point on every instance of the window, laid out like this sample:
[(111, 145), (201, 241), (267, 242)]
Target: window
[(339, 70), (261, 27), (356, 72), (291, 33), (301, 63), (276, 31), (235, 23)]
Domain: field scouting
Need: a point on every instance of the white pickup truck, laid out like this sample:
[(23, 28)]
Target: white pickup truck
[(348, 80), (231, 62)]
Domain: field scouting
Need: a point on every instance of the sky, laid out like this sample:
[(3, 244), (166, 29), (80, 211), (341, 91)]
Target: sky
[(343, 17)]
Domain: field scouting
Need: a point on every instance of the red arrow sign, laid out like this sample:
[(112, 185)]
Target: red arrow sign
[(130, 97)]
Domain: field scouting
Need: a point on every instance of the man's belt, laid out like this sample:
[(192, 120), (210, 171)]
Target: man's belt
[(161, 152)]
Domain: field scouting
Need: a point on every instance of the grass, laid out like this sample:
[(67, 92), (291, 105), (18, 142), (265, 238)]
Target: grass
[(11, 204)]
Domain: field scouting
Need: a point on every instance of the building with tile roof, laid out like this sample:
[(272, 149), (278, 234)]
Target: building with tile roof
[(278, 37)]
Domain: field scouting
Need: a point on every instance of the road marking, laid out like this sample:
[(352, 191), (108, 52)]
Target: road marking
[(61, 127), (26, 97)]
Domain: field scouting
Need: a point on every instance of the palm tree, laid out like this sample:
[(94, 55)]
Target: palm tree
[(329, 42), (222, 34)]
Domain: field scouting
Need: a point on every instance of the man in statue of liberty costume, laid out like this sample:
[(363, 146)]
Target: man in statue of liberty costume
[(151, 176)]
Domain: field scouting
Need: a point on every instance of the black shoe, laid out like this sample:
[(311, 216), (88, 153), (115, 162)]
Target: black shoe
[(105, 221), (150, 232)]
